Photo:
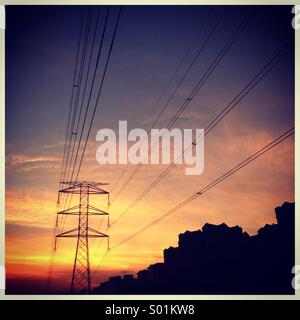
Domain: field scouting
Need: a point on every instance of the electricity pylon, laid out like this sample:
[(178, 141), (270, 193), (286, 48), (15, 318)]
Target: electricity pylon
[(81, 276)]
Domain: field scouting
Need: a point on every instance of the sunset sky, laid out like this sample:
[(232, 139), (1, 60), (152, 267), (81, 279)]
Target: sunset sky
[(41, 44)]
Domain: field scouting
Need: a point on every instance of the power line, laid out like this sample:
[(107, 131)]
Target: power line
[(77, 85), (81, 73), (71, 103), (98, 96), (234, 102), (75, 132), (186, 53), (100, 90), (62, 172), (89, 97), (212, 184), (194, 91), (184, 76), (66, 203), (89, 65)]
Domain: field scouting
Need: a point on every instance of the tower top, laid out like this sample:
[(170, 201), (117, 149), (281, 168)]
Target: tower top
[(84, 183), (75, 187)]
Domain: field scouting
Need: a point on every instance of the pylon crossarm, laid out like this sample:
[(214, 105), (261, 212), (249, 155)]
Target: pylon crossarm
[(97, 232), (67, 234), (68, 211), (98, 210), (89, 183), (75, 213), (96, 190), (97, 214), (72, 189), (97, 236), (91, 213)]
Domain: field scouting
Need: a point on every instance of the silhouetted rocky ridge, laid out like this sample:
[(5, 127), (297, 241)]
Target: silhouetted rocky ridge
[(220, 260)]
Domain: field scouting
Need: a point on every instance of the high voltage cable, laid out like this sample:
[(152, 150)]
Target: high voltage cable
[(176, 88), (81, 73), (187, 71), (192, 94), (71, 105), (78, 87), (98, 96), (72, 131), (212, 184), (90, 96), (188, 50), (241, 95), (89, 66), (62, 172), (75, 133), (100, 90), (62, 221)]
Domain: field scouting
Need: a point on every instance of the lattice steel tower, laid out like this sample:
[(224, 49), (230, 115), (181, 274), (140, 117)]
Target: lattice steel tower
[(81, 276)]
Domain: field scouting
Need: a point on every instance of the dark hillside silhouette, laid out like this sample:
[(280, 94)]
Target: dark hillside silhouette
[(220, 260)]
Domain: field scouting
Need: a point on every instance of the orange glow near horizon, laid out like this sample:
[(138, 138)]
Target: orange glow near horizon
[(30, 219), (237, 79)]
